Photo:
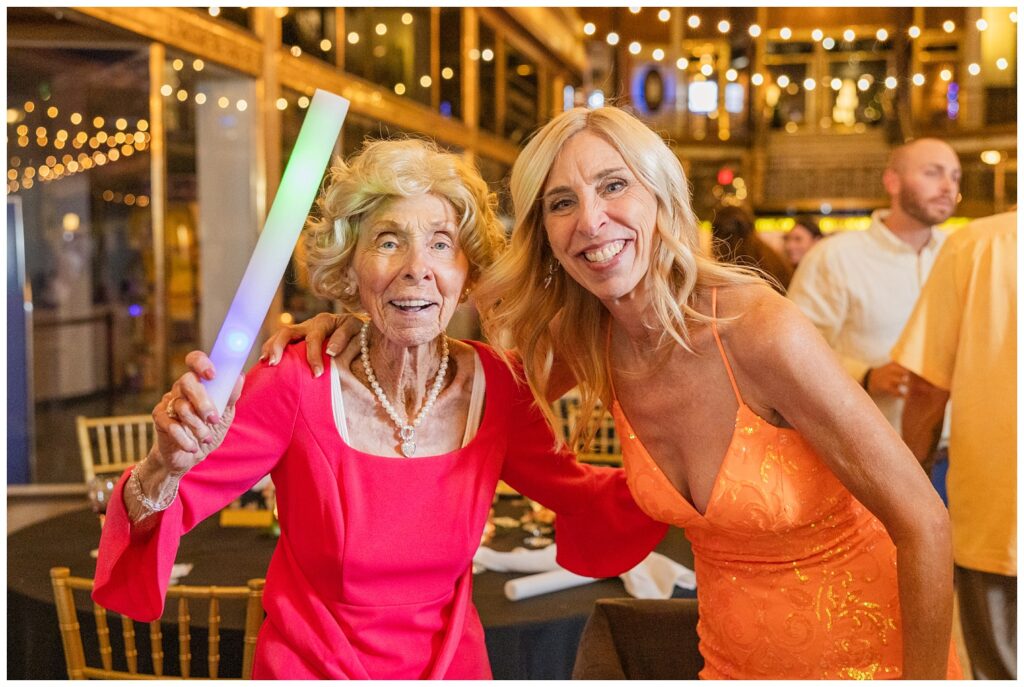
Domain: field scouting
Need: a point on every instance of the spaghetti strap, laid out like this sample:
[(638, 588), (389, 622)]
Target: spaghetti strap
[(721, 348)]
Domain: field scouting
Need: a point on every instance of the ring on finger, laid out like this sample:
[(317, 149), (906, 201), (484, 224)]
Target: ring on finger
[(169, 409)]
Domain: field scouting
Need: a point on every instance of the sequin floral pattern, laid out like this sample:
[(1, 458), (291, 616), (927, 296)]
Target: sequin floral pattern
[(795, 578)]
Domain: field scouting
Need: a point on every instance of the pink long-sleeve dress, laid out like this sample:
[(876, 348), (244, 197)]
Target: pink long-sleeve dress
[(372, 575)]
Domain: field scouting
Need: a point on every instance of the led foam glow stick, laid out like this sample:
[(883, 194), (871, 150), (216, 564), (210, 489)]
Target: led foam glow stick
[(295, 195)]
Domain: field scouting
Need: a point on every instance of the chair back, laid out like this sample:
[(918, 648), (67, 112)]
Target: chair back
[(640, 639), (605, 447), (113, 444), (64, 587)]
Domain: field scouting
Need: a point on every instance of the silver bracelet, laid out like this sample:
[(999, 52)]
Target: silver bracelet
[(163, 503)]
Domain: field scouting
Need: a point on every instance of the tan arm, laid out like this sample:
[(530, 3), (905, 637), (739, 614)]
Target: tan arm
[(923, 414)]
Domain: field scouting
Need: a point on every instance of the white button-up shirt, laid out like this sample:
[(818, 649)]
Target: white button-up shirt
[(859, 288)]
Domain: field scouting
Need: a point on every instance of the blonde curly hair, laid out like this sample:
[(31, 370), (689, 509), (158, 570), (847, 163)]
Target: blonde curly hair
[(393, 168)]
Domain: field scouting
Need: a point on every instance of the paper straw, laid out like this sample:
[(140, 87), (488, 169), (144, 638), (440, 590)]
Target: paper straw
[(295, 195)]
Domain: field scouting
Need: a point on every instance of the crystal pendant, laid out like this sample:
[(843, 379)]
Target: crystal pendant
[(408, 447)]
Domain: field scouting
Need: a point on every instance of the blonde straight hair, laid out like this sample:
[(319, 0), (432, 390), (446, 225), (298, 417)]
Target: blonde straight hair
[(519, 312)]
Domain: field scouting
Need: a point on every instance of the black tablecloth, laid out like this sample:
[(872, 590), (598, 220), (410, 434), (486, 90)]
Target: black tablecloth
[(530, 639)]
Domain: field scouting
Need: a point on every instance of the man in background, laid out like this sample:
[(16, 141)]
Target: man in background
[(960, 344), (859, 287)]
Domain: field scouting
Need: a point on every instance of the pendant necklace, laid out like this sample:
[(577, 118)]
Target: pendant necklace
[(406, 430)]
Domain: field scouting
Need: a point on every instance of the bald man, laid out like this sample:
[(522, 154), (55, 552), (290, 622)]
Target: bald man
[(860, 287)]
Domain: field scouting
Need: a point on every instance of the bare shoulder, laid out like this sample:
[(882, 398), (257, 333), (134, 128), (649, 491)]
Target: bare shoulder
[(760, 325)]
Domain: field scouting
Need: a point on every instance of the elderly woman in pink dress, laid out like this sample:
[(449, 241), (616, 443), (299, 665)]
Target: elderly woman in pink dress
[(386, 467)]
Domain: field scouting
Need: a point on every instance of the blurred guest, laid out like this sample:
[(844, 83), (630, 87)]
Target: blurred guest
[(801, 238), (858, 288), (961, 343), (735, 241)]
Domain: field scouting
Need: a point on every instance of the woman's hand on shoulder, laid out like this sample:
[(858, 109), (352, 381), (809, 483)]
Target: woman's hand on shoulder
[(337, 329), (188, 426)]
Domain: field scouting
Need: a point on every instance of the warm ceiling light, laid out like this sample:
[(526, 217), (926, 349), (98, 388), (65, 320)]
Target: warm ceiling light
[(634, 10), (974, 69), (380, 29), (612, 38), (849, 35), (282, 104), (945, 75), (682, 63), (707, 70), (1002, 64), (731, 75), (890, 82), (785, 33), (406, 18), (353, 37), (724, 26), (882, 35), (425, 81), (809, 84), (914, 31), (658, 54), (981, 24), (948, 26), (447, 73), (754, 30), (757, 79), (991, 157), (635, 48), (589, 28), (400, 88), (918, 79), (783, 81), (817, 35), (836, 84), (664, 15), (693, 22)]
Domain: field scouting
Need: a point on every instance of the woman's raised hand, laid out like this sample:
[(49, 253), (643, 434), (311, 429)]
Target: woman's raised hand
[(340, 329), (188, 426)]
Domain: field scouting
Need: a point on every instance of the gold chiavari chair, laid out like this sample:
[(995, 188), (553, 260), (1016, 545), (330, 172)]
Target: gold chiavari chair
[(605, 447), (64, 586), (113, 444)]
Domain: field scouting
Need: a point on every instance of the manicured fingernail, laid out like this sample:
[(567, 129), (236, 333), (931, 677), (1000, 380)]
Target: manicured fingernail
[(208, 440), (332, 351), (213, 419), (273, 360), (208, 373), (317, 371), (263, 356)]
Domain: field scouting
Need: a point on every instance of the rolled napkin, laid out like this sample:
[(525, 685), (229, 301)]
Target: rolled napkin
[(656, 576), (517, 560), (543, 583)]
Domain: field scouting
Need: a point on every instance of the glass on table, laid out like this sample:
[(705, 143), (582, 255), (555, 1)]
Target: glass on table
[(538, 523), (101, 489)]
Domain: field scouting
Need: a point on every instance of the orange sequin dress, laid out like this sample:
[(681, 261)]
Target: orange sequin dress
[(795, 578)]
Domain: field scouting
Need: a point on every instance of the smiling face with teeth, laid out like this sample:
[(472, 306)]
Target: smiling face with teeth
[(409, 268), (599, 218)]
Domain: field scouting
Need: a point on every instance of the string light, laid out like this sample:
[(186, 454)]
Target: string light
[(589, 28), (817, 35), (682, 63), (693, 22), (991, 157), (353, 37), (51, 112), (754, 30), (612, 38), (948, 26), (785, 33), (658, 54), (828, 43), (241, 105), (723, 26), (380, 29), (487, 54), (303, 102), (974, 69), (29, 106), (177, 65), (406, 18), (634, 48), (918, 79), (757, 79), (634, 10), (782, 81), (981, 24), (223, 102), (836, 83), (296, 51), (400, 88), (664, 15), (282, 104), (1002, 64), (863, 84), (425, 81), (326, 45), (945, 75), (731, 75), (200, 98), (914, 31), (447, 73), (707, 70), (882, 35), (890, 82), (98, 122), (849, 35)]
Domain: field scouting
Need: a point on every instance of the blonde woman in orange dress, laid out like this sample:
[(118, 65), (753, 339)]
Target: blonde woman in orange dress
[(820, 548)]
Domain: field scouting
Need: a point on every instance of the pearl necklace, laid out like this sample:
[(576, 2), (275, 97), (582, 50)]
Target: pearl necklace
[(406, 430)]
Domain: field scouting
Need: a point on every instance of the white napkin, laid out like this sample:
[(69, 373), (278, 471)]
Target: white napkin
[(179, 570), (656, 576), (517, 560), (544, 583)]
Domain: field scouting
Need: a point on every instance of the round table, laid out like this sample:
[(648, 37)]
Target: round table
[(533, 638)]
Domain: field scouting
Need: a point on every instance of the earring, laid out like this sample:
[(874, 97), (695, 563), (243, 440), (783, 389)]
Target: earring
[(350, 289), (552, 269), (465, 294)]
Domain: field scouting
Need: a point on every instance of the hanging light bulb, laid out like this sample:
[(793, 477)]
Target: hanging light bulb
[(914, 31), (664, 15), (757, 79), (693, 22), (634, 48), (974, 69), (785, 33), (754, 30), (918, 79), (612, 38), (817, 35), (981, 24), (658, 54), (882, 35), (948, 26), (589, 28), (723, 26)]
